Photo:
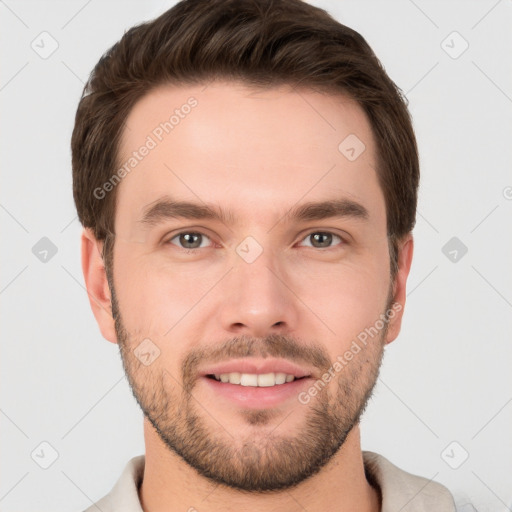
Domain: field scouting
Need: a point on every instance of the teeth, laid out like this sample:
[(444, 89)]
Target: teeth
[(266, 380), (255, 380), (247, 379), (234, 378), (280, 378)]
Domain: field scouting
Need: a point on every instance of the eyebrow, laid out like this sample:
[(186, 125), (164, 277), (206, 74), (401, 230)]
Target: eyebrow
[(168, 208)]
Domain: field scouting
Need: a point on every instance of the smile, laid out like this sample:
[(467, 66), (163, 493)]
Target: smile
[(253, 379)]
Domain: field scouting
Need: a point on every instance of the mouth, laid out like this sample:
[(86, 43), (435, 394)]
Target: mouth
[(257, 372), (262, 380), (256, 383)]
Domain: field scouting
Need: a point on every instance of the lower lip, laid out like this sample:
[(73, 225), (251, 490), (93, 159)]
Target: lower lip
[(253, 397)]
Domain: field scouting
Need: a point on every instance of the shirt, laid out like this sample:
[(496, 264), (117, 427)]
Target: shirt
[(399, 490)]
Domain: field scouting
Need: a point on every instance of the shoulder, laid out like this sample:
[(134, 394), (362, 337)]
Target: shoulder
[(124, 496), (401, 490)]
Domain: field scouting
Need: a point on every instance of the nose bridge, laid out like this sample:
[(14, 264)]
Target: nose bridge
[(257, 299)]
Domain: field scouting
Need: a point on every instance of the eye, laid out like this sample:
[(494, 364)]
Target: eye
[(322, 239), (189, 240)]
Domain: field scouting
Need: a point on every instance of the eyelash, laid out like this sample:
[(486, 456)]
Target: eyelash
[(344, 242)]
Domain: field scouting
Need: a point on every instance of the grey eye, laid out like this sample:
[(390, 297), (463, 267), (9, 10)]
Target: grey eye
[(322, 239), (189, 240)]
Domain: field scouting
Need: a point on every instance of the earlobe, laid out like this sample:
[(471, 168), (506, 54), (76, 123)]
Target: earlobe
[(405, 253), (96, 284)]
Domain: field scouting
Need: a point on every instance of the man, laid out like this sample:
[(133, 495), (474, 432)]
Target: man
[(246, 174)]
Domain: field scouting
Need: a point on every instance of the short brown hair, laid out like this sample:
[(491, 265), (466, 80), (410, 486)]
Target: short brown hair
[(263, 43)]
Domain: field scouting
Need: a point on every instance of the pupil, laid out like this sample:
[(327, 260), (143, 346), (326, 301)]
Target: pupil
[(317, 235), (186, 237)]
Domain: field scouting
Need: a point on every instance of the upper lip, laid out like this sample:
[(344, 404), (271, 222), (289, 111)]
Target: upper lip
[(258, 366)]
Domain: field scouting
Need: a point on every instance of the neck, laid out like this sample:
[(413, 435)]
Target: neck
[(169, 483)]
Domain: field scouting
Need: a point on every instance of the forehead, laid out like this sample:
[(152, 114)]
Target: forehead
[(255, 152)]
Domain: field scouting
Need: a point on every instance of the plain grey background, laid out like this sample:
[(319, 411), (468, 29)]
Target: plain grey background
[(443, 404)]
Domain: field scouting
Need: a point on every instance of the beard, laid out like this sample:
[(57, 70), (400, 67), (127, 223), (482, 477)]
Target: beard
[(263, 460)]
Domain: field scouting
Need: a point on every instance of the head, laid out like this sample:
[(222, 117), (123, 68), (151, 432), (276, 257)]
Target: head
[(297, 151)]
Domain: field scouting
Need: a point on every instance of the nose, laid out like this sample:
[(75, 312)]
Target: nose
[(257, 299)]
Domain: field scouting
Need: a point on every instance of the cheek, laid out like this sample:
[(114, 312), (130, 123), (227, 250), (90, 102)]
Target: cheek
[(141, 297), (154, 296), (348, 296)]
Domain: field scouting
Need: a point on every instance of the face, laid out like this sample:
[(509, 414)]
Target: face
[(273, 270)]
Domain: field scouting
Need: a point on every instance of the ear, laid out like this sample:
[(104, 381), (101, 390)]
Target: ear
[(97, 285), (405, 251)]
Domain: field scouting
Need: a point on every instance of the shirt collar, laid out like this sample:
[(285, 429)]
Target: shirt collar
[(398, 489)]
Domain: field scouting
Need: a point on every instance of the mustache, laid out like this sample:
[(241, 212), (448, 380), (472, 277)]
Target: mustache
[(273, 345)]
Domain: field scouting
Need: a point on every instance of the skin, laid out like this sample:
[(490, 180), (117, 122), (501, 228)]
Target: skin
[(258, 153)]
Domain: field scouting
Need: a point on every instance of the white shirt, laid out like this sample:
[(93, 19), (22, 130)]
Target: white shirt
[(400, 491)]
